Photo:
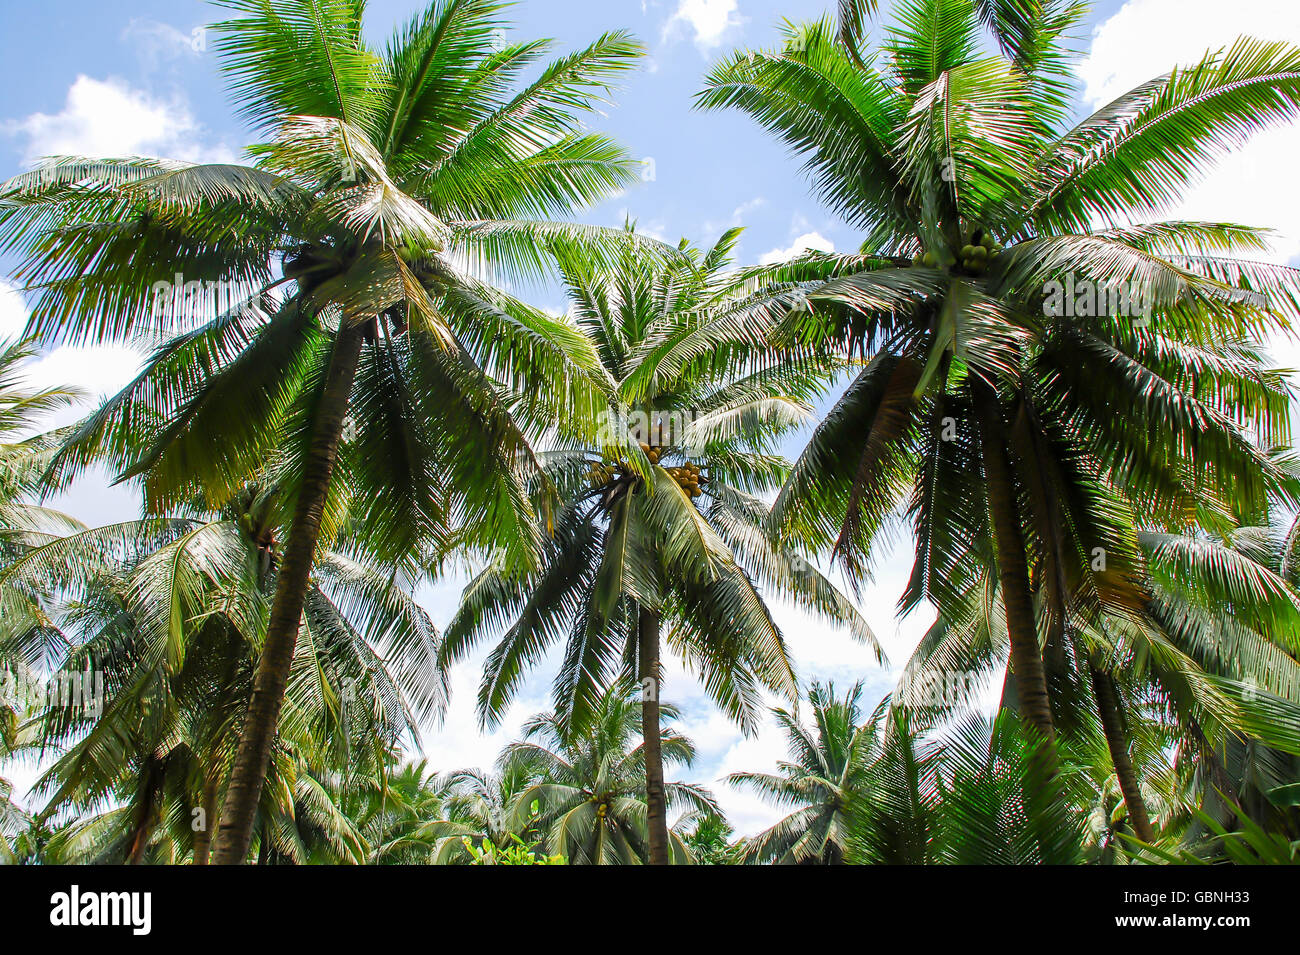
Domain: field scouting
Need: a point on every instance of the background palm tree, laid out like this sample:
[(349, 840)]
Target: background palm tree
[(978, 794), (169, 615), (827, 768), (390, 810), (348, 269), (1214, 686), (589, 785), (659, 526), (481, 811), (987, 413)]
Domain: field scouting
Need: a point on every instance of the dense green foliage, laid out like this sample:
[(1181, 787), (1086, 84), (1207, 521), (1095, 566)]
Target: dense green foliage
[(1066, 398)]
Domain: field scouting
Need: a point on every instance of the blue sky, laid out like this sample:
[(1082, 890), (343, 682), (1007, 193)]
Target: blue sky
[(134, 77)]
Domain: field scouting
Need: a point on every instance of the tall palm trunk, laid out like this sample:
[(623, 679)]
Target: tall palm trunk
[(1112, 723), (258, 733), (203, 837), (139, 844), (151, 784), (1013, 574), (656, 804)]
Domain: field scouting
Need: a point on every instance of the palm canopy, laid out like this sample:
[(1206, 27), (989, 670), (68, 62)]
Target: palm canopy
[(171, 614), (659, 509), (1017, 430), (1186, 676), (480, 811), (826, 771), (587, 794), (389, 185), (978, 794)]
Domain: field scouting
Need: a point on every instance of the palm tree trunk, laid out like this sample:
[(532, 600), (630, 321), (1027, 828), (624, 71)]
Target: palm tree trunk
[(151, 784), (656, 805), (203, 838), (139, 844), (258, 733), (1112, 724), (140, 836), (1013, 574)]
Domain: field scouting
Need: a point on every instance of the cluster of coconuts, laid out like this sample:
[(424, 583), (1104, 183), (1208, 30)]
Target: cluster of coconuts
[(983, 247), (974, 256), (689, 478), (599, 475)]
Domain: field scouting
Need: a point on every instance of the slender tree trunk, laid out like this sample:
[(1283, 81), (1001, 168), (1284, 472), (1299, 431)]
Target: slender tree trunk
[(258, 734), (150, 789), (1013, 573), (140, 838), (203, 837), (656, 804), (1112, 723)]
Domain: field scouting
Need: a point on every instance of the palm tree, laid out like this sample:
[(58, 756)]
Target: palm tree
[(480, 811), (660, 525), (390, 808), (987, 406), (24, 453), (339, 278), (589, 785), (1190, 673), (24, 457), (709, 838), (827, 768), (1242, 769), (170, 613), (17, 833), (978, 794)]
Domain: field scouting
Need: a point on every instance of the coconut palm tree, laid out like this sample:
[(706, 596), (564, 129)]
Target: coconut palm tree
[(660, 526), (338, 278), (978, 794), (169, 614), (1246, 769), (1189, 673), (24, 458), (390, 809), (589, 785), (710, 838), (827, 766), (480, 811), (998, 414)]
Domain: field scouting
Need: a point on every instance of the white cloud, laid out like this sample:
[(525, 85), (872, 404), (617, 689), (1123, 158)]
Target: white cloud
[(97, 370), (710, 229), (1252, 186), (809, 241), (707, 21), (160, 43), (1144, 38), (111, 118)]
